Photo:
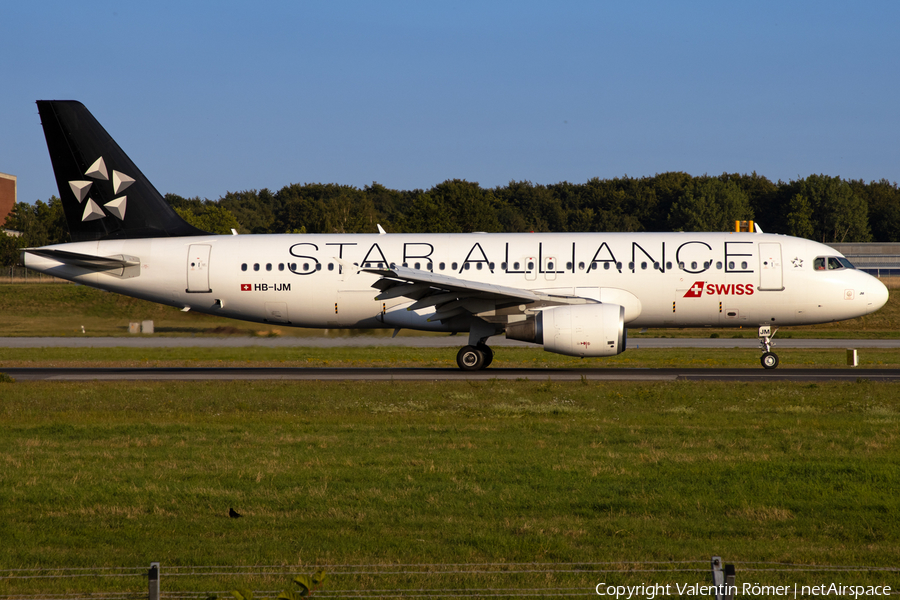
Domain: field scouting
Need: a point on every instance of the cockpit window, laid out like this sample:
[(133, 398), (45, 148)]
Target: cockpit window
[(831, 263), (847, 264)]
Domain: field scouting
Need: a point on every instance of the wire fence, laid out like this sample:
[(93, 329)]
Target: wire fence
[(444, 580), (23, 275)]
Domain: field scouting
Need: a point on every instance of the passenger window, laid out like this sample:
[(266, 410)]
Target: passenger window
[(503, 266), (454, 265), (256, 266), (669, 264), (730, 265), (619, 266), (549, 266), (281, 266), (530, 265), (719, 264), (478, 266), (268, 266), (441, 266), (606, 266), (244, 267), (331, 266), (515, 266), (743, 264), (581, 266), (318, 266), (631, 266), (694, 264), (644, 265), (418, 265)]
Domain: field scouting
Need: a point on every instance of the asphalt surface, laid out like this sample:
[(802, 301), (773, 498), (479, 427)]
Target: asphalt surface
[(431, 374), (451, 374), (447, 341)]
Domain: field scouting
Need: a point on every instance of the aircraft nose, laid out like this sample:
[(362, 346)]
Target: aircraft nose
[(877, 296)]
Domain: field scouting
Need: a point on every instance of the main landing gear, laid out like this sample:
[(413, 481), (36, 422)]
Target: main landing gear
[(769, 359), (474, 358), (477, 356)]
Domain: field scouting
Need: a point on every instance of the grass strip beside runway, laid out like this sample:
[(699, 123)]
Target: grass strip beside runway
[(121, 474), (405, 357)]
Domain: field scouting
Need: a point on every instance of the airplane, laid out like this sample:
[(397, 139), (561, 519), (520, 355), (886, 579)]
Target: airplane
[(571, 293)]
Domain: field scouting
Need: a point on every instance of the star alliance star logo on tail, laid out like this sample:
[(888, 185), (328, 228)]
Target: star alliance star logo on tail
[(92, 210)]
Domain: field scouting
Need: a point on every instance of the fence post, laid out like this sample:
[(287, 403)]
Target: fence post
[(729, 582), (718, 576), (723, 580), (153, 578)]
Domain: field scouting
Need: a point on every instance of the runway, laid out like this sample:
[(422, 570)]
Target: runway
[(757, 375)]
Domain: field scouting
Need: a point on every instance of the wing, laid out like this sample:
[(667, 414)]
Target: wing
[(451, 296)]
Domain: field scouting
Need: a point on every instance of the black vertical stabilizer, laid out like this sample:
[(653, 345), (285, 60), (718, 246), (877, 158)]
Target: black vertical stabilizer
[(103, 194)]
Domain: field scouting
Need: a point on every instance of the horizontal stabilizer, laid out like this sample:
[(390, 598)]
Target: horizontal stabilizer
[(120, 265)]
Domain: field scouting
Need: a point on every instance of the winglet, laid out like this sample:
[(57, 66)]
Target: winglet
[(346, 264)]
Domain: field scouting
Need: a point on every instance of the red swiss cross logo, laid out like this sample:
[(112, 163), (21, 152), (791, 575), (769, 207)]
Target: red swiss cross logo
[(696, 290), (246, 287)]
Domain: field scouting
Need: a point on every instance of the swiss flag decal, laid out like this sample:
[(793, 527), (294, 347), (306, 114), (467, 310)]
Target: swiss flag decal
[(696, 290), (246, 287)]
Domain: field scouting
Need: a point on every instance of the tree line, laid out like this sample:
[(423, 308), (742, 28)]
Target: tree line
[(820, 207)]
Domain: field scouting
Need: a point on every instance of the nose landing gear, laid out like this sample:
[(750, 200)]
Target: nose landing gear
[(769, 360)]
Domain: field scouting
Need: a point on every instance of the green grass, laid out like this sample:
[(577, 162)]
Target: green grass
[(122, 474), (52, 309), (445, 358)]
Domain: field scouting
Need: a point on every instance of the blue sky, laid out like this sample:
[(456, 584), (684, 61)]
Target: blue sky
[(211, 97)]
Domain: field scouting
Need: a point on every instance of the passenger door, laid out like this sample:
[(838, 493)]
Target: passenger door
[(198, 269), (770, 273)]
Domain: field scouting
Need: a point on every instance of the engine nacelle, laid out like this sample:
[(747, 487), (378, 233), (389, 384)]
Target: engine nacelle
[(576, 330)]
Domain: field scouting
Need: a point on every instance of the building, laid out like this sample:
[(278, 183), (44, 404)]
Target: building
[(881, 259), (7, 195)]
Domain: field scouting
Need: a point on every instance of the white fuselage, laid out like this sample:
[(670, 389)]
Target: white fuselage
[(662, 279)]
